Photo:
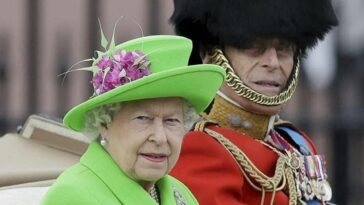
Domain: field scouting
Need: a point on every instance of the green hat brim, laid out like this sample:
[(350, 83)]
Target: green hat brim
[(197, 84)]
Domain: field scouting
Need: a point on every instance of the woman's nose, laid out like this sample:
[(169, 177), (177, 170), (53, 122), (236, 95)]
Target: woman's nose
[(158, 134)]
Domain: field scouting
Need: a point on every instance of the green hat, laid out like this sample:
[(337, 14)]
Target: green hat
[(159, 69)]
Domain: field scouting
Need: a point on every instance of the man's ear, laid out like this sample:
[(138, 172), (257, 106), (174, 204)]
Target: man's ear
[(206, 59)]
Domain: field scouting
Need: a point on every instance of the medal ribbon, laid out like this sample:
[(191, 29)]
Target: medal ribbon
[(315, 166), (278, 141)]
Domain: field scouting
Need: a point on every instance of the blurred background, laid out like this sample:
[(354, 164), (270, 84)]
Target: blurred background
[(40, 39)]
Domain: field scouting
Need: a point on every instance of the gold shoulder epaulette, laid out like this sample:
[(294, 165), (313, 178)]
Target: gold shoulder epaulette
[(200, 125), (280, 122)]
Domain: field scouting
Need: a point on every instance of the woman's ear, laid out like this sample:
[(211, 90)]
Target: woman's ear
[(103, 130)]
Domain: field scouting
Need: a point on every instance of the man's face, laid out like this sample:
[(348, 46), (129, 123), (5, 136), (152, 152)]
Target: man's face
[(264, 67)]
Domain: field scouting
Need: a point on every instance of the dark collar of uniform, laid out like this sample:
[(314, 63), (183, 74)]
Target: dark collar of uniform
[(229, 115)]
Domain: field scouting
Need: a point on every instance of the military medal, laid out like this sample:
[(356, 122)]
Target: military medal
[(308, 170), (323, 190), (293, 160)]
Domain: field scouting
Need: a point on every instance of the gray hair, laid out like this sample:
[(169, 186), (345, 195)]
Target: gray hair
[(104, 115)]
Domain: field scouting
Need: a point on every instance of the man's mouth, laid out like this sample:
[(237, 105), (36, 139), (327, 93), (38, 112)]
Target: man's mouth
[(268, 83), (267, 87)]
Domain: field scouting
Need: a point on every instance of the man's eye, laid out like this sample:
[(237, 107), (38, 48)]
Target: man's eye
[(284, 50), (255, 50)]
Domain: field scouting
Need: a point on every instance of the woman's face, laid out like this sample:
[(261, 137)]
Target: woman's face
[(145, 138), (264, 67)]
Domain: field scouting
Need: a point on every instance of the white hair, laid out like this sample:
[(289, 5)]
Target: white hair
[(99, 116), (104, 115), (190, 116)]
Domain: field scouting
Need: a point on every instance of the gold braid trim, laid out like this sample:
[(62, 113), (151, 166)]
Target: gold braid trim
[(268, 183), (200, 125), (242, 90), (283, 174), (291, 186)]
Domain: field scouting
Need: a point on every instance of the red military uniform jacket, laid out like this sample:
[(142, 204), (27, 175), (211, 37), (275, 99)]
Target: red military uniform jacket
[(223, 165), (214, 177)]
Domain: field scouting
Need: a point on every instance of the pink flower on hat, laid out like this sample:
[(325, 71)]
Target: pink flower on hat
[(113, 67), (120, 68)]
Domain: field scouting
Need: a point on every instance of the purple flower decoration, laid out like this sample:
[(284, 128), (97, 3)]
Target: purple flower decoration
[(120, 68)]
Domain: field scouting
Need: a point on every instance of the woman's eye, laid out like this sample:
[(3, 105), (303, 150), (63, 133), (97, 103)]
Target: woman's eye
[(143, 118), (173, 121)]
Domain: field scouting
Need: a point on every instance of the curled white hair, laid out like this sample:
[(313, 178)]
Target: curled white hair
[(99, 116), (190, 116), (104, 115)]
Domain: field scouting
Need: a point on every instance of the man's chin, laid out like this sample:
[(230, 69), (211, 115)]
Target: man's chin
[(268, 91), (259, 109)]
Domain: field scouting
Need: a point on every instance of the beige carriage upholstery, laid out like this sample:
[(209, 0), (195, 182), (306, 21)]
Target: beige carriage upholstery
[(31, 160), (22, 196)]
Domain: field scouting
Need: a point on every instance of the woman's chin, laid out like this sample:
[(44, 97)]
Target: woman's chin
[(152, 175)]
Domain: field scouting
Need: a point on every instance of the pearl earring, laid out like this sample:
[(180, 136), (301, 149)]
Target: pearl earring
[(103, 141)]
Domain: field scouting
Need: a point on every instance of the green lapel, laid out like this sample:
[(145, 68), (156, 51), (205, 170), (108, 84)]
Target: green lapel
[(126, 190)]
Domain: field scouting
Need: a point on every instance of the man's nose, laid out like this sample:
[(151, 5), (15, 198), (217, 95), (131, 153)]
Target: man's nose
[(270, 58)]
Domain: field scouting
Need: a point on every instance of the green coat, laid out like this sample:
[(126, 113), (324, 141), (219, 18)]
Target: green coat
[(97, 179)]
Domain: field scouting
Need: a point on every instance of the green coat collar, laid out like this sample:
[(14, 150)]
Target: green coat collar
[(126, 190)]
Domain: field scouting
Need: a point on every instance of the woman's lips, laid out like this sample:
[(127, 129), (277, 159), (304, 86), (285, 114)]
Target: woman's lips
[(156, 158)]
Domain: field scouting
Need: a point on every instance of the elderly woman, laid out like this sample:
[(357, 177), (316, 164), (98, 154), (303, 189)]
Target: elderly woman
[(144, 102)]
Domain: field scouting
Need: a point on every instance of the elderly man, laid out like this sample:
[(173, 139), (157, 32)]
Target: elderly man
[(241, 152)]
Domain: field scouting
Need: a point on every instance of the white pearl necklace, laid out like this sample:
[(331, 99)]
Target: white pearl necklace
[(154, 193)]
